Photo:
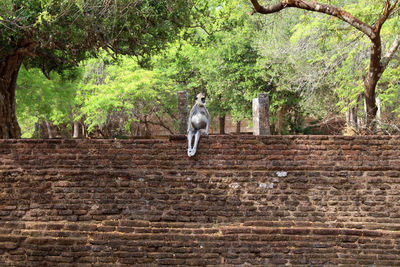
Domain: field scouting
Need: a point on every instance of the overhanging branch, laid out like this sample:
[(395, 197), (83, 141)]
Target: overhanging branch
[(52, 57), (269, 9), (317, 7)]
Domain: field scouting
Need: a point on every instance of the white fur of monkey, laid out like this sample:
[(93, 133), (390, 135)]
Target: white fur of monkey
[(198, 123)]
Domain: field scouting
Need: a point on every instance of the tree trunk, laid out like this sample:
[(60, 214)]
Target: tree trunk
[(77, 132), (49, 132), (147, 127), (280, 120), (222, 124), (354, 117), (84, 130), (238, 127), (351, 115), (370, 103), (370, 82), (9, 69), (38, 130)]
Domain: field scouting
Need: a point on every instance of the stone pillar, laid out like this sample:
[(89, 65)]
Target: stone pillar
[(261, 115), (183, 111)]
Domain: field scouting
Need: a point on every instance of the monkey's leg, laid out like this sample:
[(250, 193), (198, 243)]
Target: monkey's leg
[(196, 141), (190, 137)]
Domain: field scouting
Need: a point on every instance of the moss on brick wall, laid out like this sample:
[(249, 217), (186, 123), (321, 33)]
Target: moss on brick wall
[(299, 200)]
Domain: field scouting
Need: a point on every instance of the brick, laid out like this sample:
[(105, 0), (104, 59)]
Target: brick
[(59, 259), (170, 261), (8, 245), (134, 223), (296, 231), (327, 231)]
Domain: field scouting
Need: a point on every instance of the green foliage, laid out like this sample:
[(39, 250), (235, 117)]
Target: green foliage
[(389, 90), (67, 32), (232, 76), (123, 89), (311, 64), (180, 65), (326, 58), (225, 61), (40, 99)]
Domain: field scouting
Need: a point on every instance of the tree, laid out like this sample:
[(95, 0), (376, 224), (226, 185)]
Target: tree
[(120, 98), (378, 61), (55, 35), (232, 76), (40, 100), (227, 61)]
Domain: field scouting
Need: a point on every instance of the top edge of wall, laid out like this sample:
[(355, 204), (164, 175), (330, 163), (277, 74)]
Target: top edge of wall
[(180, 137)]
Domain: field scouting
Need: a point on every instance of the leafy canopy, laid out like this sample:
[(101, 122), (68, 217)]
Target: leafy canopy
[(60, 33)]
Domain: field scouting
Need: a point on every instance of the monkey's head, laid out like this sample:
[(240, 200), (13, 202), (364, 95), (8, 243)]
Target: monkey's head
[(201, 100)]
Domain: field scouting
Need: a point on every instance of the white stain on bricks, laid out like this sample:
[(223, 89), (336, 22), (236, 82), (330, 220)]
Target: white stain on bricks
[(281, 174), (235, 185), (270, 186)]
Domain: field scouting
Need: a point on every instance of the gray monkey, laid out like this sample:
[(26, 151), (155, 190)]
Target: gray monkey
[(198, 123)]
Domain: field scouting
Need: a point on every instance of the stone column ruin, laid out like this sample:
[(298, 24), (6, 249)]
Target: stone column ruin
[(261, 115)]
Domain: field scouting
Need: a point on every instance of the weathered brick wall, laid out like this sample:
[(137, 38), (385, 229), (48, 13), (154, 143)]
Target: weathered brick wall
[(296, 200)]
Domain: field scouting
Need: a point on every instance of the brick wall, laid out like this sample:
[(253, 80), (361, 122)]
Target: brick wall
[(296, 200)]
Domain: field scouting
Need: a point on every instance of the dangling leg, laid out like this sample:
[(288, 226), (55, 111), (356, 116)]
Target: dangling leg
[(196, 141), (190, 136)]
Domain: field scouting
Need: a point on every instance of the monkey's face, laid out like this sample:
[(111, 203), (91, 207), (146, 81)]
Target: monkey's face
[(201, 100)]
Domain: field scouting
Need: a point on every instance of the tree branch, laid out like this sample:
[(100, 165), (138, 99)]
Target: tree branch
[(386, 13), (396, 43), (390, 53), (28, 49), (267, 10), (52, 57), (162, 124), (317, 7)]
